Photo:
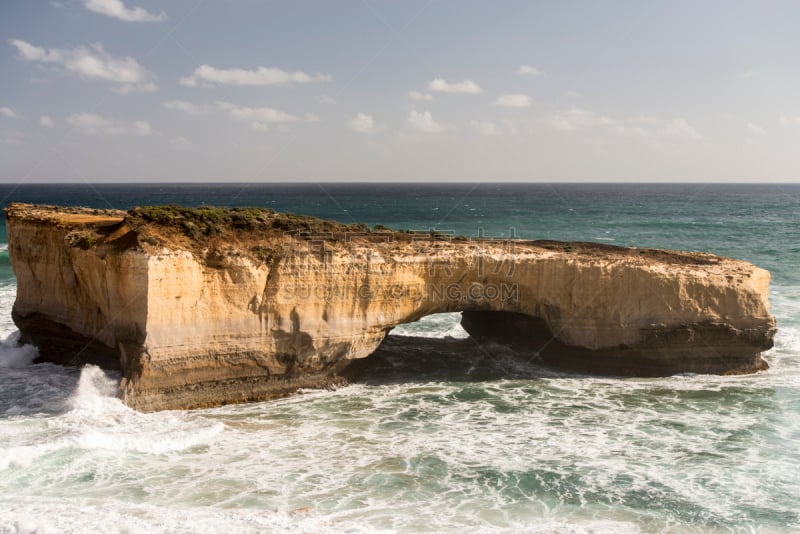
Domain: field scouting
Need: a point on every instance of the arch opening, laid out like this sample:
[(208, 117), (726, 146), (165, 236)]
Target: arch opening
[(453, 347)]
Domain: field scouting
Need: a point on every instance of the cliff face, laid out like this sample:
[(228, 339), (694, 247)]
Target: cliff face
[(203, 308)]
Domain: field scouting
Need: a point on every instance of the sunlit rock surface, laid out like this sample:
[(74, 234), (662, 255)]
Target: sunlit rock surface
[(213, 306)]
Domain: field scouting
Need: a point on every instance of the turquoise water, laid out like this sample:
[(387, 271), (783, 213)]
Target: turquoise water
[(441, 444)]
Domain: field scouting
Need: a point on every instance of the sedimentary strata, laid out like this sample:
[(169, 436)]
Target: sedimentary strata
[(202, 307)]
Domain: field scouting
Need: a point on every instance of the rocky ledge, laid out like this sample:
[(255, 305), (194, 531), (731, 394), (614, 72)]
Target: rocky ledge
[(209, 306)]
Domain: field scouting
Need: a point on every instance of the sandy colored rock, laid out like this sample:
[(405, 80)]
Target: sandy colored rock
[(202, 308)]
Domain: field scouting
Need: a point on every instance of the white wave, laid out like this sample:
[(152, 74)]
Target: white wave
[(787, 340), (8, 293), (149, 441), (57, 516), (88, 515), (25, 455), (437, 325), (13, 355), (96, 393), (114, 426)]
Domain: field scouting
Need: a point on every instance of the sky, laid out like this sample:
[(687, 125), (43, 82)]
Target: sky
[(423, 91)]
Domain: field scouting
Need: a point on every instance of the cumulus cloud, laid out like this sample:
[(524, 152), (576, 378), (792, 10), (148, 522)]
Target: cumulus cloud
[(363, 123), (179, 142), (185, 107), (94, 124), (467, 87), (527, 70), (47, 121), (208, 76), (680, 128), (11, 138), (128, 88), (7, 112), (117, 9), (92, 63), (486, 128), (420, 97), (261, 118), (577, 119), (260, 114), (424, 122), (513, 101), (756, 130)]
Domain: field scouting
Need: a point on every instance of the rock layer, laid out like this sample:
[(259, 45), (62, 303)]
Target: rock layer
[(208, 307)]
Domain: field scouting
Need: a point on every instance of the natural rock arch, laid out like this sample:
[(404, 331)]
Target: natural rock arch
[(266, 303)]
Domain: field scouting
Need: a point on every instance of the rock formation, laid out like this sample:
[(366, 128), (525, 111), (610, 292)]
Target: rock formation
[(208, 306)]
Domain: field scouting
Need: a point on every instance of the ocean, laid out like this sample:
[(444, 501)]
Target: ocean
[(472, 441)]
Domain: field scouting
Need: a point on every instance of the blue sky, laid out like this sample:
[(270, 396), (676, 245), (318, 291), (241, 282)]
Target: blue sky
[(369, 90)]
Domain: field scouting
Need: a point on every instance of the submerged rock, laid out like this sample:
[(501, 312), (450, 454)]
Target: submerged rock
[(209, 306)]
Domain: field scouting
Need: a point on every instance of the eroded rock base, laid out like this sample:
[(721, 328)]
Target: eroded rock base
[(213, 393), (705, 348), (60, 345)]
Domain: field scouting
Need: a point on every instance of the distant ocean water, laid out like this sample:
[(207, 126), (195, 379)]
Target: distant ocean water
[(436, 446)]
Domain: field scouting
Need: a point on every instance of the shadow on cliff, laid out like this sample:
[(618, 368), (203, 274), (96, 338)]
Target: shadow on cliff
[(407, 359)]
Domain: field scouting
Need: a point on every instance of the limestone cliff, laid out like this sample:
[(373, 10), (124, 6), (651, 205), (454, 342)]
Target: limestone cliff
[(211, 306)]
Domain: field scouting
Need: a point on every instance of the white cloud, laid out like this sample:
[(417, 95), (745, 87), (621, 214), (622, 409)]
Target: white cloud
[(424, 122), (208, 76), (467, 87), (259, 114), (577, 119), (47, 121), (261, 118), (94, 124), (755, 129), (643, 120), (747, 74), (185, 107), (128, 88), (363, 123), (180, 143), (513, 101), (117, 9), (34, 53), (7, 112), (92, 63), (420, 97), (527, 70), (325, 100), (486, 128), (789, 120), (680, 128), (11, 138), (572, 94)]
